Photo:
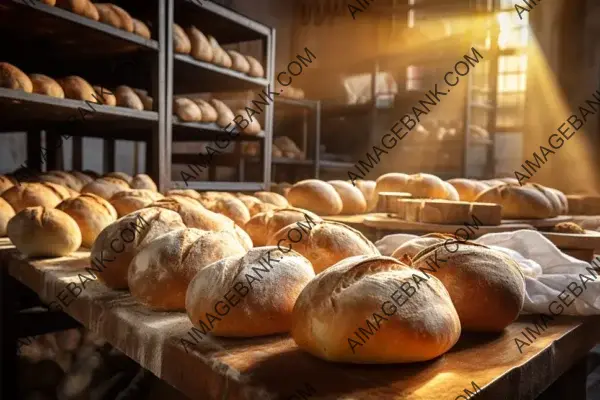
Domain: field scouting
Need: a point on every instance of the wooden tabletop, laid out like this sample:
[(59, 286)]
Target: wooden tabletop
[(274, 368)]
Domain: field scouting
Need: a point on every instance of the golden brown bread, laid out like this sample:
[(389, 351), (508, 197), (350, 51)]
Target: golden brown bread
[(412, 247), (555, 201), (126, 97), (187, 110), (141, 29), (65, 179), (468, 189), (90, 11), (264, 225), (272, 198), (105, 187), (239, 62), (225, 115), (200, 48), (128, 201), (368, 190), (353, 201), (109, 15), (220, 57), (6, 213), (265, 309), (105, 96), (518, 202), (76, 6), (161, 271), (227, 205), (83, 178), (254, 205), (253, 127), (184, 192), (256, 69), (391, 182), (44, 232), (91, 213), (409, 313), (208, 112), (12, 77), (181, 41), (125, 18), (147, 100), (77, 88), (564, 209), (43, 84), (35, 194), (143, 181), (316, 196), (123, 176), (427, 186), (568, 227)]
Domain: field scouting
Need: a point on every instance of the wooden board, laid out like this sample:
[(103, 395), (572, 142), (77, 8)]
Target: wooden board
[(346, 219), (446, 212), (575, 241), (273, 367), (540, 223)]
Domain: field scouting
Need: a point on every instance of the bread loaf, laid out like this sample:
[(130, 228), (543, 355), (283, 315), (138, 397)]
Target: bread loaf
[(187, 110), (128, 201), (6, 183), (120, 241), (316, 196), (83, 178), (43, 84), (225, 115), (184, 192), (12, 77), (391, 182), (141, 29), (90, 11), (147, 101), (109, 15), (220, 57), (561, 197), (253, 127), (105, 96), (228, 206), (368, 190), (264, 225), (324, 243), (77, 88), (412, 247), (161, 272), (44, 194), (91, 213), (265, 309), (353, 201), (254, 205), (337, 308), (80, 7), (126, 20), (208, 112), (427, 186), (200, 47), (239, 62), (6, 213), (44, 232), (273, 198), (126, 97), (105, 187), (518, 202), (62, 178), (181, 42), (256, 69), (468, 189), (473, 271), (451, 192), (143, 181), (118, 175)]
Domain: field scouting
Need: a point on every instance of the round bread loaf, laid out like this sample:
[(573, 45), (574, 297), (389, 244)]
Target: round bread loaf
[(181, 42), (184, 192), (126, 97), (471, 272), (187, 110), (43, 84), (105, 187), (353, 201), (414, 246), (44, 232), (119, 175), (57, 179), (6, 182), (91, 213), (468, 189), (391, 182), (90, 11), (120, 241), (518, 202), (105, 96), (147, 100), (141, 29), (324, 243), (451, 192), (77, 88), (6, 213), (12, 77), (427, 186), (200, 47), (84, 179), (254, 205), (264, 225), (316, 196), (143, 181), (272, 198), (552, 197), (336, 312), (129, 201), (368, 190), (67, 179), (160, 273), (35, 194), (231, 207), (265, 309)]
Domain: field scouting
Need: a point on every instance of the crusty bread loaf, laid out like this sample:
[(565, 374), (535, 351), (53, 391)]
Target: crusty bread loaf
[(161, 271), (146, 99), (561, 197), (451, 192), (126, 97), (392, 182), (83, 178), (316, 196), (412, 247), (105, 187), (80, 7), (239, 62), (90, 11), (265, 309), (518, 202), (220, 57), (272, 198), (6, 213), (44, 232), (200, 48), (91, 213), (368, 190), (231, 207), (123, 176), (353, 201), (187, 110), (225, 115), (184, 192), (43, 84), (143, 181), (43, 194), (6, 183), (253, 127), (361, 296), (254, 205), (12, 77), (256, 69), (324, 243), (77, 88), (264, 225), (120, 241), (181, 41), (128, 201), (552, 197), (126, 20), (62, 178), (427, 186), (105, 96), (141, 29), (479, 279), (468, 189), (109, 15), (209, 114)]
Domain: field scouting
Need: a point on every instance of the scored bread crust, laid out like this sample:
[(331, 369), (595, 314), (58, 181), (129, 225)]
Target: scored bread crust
[(339, 301), (143, 181), (91, 213), (316, 196), (105, 187), (468, 189), (34, 194), (128, 201), (518, 202), (272, 198), (264, 225)]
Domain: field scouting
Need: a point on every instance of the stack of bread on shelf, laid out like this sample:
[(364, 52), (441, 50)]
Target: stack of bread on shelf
[(282, 147), (289, 91)]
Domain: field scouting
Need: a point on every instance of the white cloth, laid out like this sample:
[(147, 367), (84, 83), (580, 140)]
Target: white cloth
[(547, 270)]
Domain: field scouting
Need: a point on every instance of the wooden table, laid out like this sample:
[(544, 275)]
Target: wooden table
[(274, 368)]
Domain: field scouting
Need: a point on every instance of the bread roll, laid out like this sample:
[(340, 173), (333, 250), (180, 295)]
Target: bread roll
[(109, 15), (272, 198), (141, 29), (391, 182), (225, 115), (77, 88), (129, 201), (44, 232), (468, 189), (120, 241), (479, 279), (200, 47), (161, 272), (105, 96), (220, 57), (143, 181), (187, 110), (90, 11), (451, 192), (6, 213), (518, 202), (324, 243), (76, 6), (208, 112), (12, 77), (43, 194), (256, 69), (6, 183), (230, 207), (43, 84), (412, 247), (427, 186), (316, 196), (336, 312), (91, 213), (264, 225), (239, 62), (265, 309), (126, 97), (353, 201), (181, 42), (105, 187), (126, 20)]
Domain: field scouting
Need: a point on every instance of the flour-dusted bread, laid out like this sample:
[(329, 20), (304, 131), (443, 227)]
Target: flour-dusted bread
[(6, 213), (336, 311), (479, 279), (264, 225), (43, 84), (256, 69), (6, 183), (12, 77), (181, 41), (208, 112), (105, 96), (561, 197), (44, 232), (368, 190), (141, 29), (324, 243), (160, 273), (43, 194), (265, 309), (273, 198), (128, 201), (239, 62), (468, 189), (120, 241), (187, 110), (105, 187), (229, 206), (225, 115), (77, 88), (91, 213), (126, 97), (518, 202), (353, 201), (316, 196), (412, 247), (143, 181), (200, 46)]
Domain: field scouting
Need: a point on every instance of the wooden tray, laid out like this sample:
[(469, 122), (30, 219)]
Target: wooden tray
[(540, 223), (446, 212)]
